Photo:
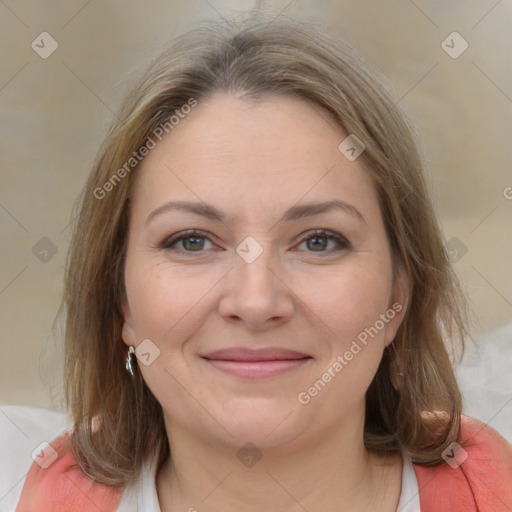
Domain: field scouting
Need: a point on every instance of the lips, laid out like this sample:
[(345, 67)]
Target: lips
[(260, 363), (260, 354)]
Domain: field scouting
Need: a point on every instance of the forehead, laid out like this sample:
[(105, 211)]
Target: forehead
[(253, 156)]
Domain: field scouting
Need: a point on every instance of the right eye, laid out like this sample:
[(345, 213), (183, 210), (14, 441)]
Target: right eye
[(186, 241)]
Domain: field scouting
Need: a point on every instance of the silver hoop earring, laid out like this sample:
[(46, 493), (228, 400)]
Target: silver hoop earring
[(129, 367)]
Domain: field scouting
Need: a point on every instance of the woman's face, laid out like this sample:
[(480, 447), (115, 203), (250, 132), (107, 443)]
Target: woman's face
[(267, 323)]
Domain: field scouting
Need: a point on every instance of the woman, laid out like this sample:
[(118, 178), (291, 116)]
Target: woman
[(258, 296)]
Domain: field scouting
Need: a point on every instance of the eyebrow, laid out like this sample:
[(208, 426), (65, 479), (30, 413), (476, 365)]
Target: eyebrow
[(294, 213)]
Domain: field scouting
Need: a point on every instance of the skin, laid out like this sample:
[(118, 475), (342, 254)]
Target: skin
[(253, 160)]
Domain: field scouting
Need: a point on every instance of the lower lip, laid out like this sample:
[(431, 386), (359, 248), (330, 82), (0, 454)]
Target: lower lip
[(257, 369)]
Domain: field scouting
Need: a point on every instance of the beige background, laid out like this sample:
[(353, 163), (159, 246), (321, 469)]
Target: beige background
[(55, 111)]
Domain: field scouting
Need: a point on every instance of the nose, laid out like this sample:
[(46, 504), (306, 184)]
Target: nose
[(254, 294)]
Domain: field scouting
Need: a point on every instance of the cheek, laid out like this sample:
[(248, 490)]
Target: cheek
[(350, 299), (167, 304), (166, 300), (350, 356)]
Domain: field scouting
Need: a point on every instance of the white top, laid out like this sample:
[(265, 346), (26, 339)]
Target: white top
[(143, 497), (410, 495), (22, 429)]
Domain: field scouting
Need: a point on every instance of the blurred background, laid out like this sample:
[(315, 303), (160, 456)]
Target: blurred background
[(65, 66)]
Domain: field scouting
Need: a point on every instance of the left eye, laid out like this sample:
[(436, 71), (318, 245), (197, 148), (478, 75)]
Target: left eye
[(324, 241)]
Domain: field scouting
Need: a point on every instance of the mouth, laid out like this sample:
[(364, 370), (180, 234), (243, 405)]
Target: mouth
[(256, 363)]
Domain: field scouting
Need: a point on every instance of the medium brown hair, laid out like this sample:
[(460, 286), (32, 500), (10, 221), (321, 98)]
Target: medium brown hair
[(118, 422)]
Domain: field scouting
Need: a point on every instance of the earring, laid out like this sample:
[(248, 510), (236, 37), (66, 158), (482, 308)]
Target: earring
[(129, 367)]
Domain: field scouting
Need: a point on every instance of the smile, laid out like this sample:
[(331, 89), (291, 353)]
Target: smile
[(256, 363), (257, 369)]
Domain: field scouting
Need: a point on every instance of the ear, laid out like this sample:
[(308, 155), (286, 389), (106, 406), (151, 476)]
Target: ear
[(128, 331), (397, 306)]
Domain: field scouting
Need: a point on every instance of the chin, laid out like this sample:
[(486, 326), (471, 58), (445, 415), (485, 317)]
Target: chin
[(263, 424)]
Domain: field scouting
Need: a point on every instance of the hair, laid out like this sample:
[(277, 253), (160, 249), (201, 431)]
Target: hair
[(118, 422)]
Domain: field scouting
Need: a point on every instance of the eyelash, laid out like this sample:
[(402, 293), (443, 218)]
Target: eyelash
[(171, 241)]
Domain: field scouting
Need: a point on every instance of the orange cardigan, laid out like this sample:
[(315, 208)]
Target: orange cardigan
[(482, 483)]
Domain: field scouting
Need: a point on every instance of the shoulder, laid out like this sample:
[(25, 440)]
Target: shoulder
[(476, 475), (23, 431), (479, 438), (56, 483)]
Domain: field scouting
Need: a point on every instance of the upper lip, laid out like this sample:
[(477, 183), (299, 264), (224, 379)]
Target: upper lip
[(258, 354)]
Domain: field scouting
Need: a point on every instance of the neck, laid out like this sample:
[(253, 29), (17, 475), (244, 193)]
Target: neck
[(333, 472)]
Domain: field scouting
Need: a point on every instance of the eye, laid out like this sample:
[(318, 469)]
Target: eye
[(321, 240), (318, 240), (187, 241)]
